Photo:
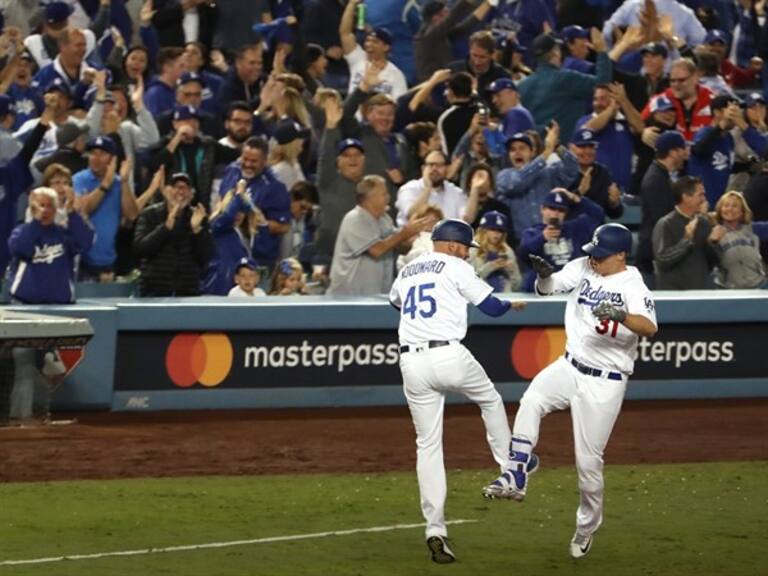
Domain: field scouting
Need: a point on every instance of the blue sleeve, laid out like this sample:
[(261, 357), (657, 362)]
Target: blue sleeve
[(564, 172), (532, 242), (591, 210), (492, 306), (225, 221), (756, 141), (149, 38), (81, 235), (22, 241), (516, 184)]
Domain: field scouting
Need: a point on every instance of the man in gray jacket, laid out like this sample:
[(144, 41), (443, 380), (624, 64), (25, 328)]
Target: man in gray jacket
[(683, 251)]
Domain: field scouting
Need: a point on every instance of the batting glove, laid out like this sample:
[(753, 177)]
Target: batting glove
[(605, 311), (542, 268)]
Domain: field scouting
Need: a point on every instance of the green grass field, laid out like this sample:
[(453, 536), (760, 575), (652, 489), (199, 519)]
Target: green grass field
[(662, 520)]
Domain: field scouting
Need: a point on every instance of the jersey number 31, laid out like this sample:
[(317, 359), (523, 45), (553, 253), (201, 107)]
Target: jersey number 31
[(425, 304)]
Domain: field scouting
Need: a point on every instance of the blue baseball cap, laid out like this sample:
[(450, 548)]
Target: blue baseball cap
[(381, 34), (519, 137), (102, 143), (716, 36), (494, 220), (670, 140), (584, 137), (557, 201), (571, 33), (249, 263), (6, 106), (502, 84), (753, 98), (58, 85), (58, 12), (661, 104), (349, 143), (188, 77), (185, 112)]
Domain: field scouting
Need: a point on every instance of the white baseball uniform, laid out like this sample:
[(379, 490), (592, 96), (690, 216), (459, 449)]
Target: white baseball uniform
[(432, 293), (591, 377)]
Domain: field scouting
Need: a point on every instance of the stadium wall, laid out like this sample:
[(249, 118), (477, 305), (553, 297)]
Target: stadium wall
[(217, 353)]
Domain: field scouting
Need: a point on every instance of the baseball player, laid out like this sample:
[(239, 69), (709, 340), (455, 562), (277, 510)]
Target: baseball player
[(608, 309), (431, 293)]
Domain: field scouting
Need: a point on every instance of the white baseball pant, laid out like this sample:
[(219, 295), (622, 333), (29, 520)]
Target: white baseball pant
[(595, 404), (427, 376)]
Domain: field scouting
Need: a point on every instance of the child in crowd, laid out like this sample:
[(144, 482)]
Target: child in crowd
[(247, 278), (495, 261), (288, 278), (422, 242)]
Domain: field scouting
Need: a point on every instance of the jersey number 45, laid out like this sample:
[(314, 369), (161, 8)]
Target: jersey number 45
[(424, 304)]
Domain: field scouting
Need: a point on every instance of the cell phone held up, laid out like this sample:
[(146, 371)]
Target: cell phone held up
[(484, 113), (554, 223)]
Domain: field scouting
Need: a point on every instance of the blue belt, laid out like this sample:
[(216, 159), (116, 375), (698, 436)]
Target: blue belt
[(589, 371), (430, 344)]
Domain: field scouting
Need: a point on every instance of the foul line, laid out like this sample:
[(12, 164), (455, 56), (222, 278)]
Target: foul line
[(222, 544)]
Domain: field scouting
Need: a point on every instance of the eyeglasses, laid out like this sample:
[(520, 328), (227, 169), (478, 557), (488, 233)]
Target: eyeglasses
[(678, 80)]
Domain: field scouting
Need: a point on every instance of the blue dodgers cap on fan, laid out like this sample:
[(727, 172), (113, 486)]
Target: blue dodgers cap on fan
[(661, 104), (494, 220), (571, 33), (753, 98), (669, 140), (349, 143), (583, 137), (249, 263), (188, 77), (185, 112), (381, 34), (58, 12), (502, 84), (57, 85), (557, 201), (716, 36), (6, 106), (102, 143), (519, 137)]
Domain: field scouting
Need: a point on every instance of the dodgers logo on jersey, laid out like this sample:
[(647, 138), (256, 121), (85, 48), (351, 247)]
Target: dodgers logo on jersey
[(649, 305), (593, 296)]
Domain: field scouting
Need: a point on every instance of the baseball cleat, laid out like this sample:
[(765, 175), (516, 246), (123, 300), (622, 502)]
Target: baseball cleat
[(581, 544), (512, 483), (441, 552)]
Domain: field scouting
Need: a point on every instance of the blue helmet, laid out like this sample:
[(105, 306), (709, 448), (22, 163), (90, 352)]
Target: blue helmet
[(454, 230), (609, 239)]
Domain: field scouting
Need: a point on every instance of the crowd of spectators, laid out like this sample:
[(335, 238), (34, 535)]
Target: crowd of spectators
[(251, 147)]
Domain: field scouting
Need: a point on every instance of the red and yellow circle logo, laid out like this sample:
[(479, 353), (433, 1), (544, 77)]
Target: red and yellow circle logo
[(535, 348), (203, 358)]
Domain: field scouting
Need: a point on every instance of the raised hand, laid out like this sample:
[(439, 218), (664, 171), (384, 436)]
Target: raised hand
[(333, 113), (542, 268), (109, 176), (137, 96), (126, 167), (606, 311), (198, 215)]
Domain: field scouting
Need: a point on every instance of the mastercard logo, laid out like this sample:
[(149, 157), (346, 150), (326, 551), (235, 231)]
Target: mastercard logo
[(198, 358), (535, 348)]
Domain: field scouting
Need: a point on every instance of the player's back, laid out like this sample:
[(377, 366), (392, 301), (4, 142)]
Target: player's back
[(432, 293)]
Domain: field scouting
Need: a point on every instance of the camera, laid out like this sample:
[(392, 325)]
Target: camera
[(554, 222)]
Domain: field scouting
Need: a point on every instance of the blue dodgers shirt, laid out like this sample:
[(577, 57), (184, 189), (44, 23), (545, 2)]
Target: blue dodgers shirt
[(614, 150), (105, 219), (272, 198), (713, 162)]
